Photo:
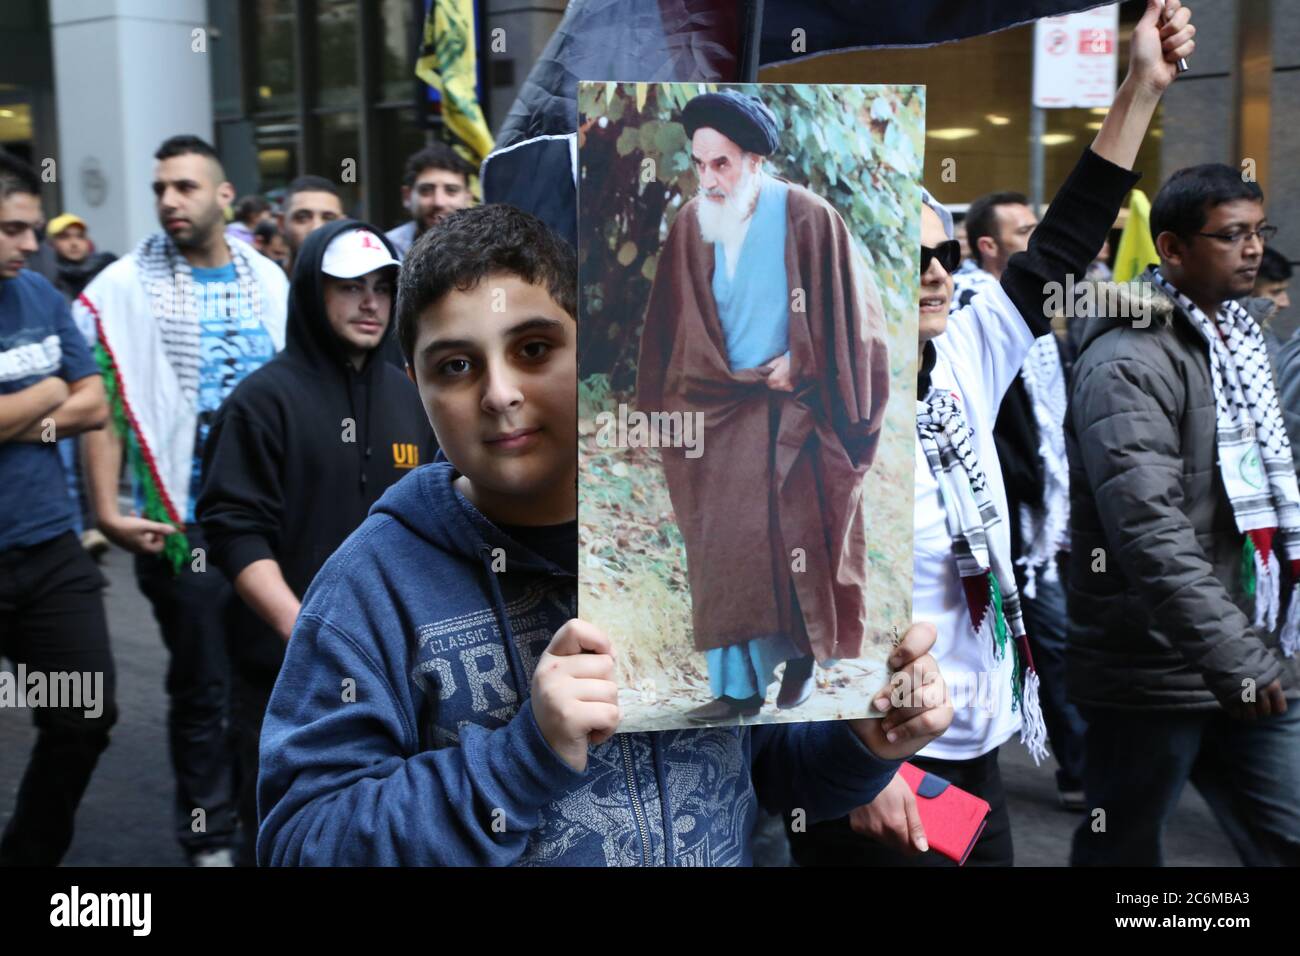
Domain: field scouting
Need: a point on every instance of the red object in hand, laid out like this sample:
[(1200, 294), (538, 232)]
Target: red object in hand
[(953, 819)]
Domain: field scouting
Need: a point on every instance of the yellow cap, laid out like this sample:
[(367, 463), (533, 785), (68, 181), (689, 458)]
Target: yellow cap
[(59, 223)]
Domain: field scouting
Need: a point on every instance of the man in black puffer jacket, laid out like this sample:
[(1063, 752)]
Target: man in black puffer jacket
[(1178, 672)]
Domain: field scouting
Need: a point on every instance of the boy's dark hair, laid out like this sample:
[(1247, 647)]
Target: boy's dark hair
[(266, 230), (250, 207), (1273, 267), (17, 176), (473, 243), (185, 145), (982, 218), (308, 184), (1185, 200), (437, 155)]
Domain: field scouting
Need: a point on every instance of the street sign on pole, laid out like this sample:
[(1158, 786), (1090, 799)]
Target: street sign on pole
[(1075, 59)]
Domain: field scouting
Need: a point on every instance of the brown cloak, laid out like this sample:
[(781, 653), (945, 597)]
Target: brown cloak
[(780, 471)]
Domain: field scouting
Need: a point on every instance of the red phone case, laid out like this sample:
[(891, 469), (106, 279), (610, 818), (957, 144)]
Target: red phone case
[(953, 819)]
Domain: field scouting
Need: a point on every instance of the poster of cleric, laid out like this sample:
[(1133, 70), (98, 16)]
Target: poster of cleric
[(746, 400)]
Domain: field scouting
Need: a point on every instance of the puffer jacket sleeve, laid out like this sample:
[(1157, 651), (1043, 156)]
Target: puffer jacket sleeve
[(1124, 412), (1288, 393)]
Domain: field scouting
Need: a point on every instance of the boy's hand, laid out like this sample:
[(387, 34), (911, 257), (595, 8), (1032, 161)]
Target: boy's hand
[(915, 704), (575, 698), (892, 819)]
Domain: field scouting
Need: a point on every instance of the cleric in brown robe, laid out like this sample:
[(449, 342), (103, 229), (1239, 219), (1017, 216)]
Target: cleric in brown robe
[(763, 320)]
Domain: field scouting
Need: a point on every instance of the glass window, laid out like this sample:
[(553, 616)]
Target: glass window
[(336, 52), (15, 120), (340, 156), (225, 60), (277, 85), (399, 135), (277, 155), (399, 34), (978, 98)]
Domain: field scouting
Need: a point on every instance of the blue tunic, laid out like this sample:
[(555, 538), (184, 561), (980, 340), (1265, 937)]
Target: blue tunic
[(754, 305), (754, 309)]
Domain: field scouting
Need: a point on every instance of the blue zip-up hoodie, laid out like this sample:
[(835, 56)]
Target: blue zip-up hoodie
[(400, 731)]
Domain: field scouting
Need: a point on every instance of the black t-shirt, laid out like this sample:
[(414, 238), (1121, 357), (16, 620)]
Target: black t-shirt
[(557, 543)]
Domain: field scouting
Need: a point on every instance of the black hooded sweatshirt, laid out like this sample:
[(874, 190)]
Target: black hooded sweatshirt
[(300, 451)]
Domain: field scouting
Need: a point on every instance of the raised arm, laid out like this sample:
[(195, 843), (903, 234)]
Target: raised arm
[(1159, 40), (1076, 223)]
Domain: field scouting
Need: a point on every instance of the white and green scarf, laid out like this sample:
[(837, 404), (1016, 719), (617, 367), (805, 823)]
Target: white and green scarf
[(1254, 457)]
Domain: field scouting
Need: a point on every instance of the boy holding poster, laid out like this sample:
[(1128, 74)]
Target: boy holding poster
[(437, 673)]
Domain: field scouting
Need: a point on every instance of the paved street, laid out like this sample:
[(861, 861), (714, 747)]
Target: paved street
[(125, 817)]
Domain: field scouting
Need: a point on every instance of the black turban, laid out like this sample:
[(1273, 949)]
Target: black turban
[(743, 119)]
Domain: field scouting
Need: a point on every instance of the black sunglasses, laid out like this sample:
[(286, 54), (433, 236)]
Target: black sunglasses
[(948, 253)]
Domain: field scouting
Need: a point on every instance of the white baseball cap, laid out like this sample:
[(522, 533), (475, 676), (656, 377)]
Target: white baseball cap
[(355, 253)]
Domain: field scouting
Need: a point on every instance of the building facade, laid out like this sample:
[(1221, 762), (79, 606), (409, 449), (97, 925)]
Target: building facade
[(285, 87), (281, 88)]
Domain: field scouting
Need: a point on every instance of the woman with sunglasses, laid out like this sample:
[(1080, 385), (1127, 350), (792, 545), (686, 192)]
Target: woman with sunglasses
[(963, 581)]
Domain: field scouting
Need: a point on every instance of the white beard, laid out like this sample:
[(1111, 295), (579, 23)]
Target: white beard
[(727, 221)]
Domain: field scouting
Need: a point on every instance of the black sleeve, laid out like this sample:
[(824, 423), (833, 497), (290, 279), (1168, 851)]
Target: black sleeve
[(241, 505), (1016, 434), (1069, 236)]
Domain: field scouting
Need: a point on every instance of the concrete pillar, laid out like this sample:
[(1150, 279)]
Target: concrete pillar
[(1284, 171), (527, 26), (127, 75), (1200, 110)]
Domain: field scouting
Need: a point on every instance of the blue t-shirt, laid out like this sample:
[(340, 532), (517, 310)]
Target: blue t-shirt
[(232, 344), (37, 339)]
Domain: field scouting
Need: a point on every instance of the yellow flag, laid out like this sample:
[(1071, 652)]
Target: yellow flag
[(1136, 250), (447, 63)]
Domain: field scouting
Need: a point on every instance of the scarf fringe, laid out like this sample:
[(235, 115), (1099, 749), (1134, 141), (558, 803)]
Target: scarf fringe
[(987, 637), (1030, 590), (1033, 728), (1291, 629), (1267, 580)]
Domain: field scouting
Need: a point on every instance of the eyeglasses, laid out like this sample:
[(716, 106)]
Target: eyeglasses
[(1265, 234), (948, 253)]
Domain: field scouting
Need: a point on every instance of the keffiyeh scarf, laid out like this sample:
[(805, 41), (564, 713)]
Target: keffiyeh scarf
[(986, 575), (168, 281), (1254, 457), (1045, 530)]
